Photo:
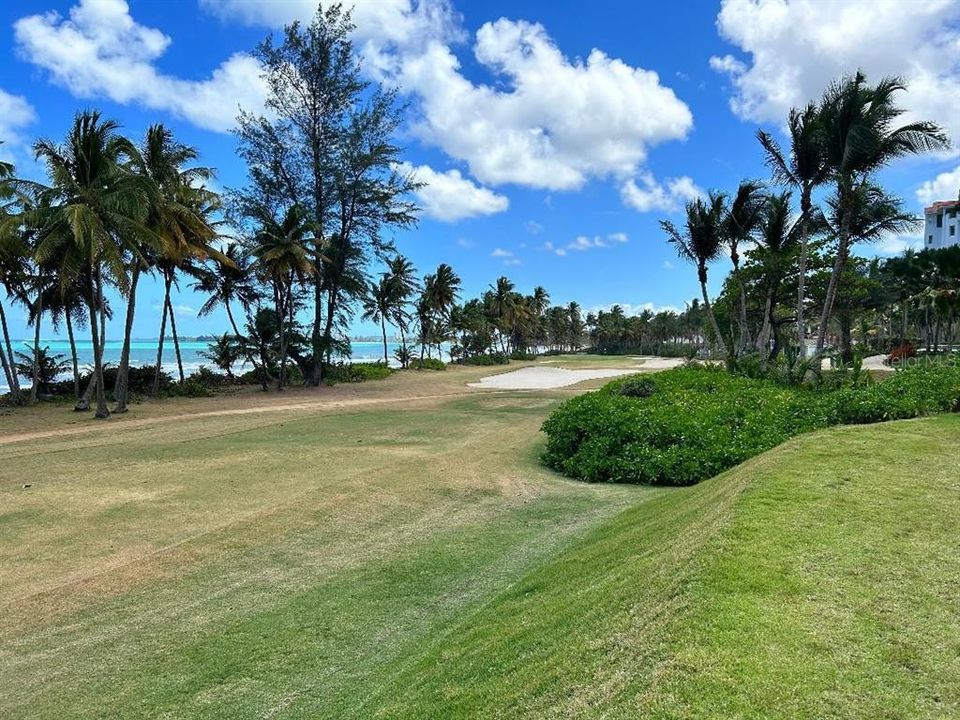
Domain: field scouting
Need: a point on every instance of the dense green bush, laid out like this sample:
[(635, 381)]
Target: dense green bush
[(488, 359), (521, 355), (139, 379), (428, 364), (684, 425), (191, 387), (907, 393), (356, 372), (370, 371)]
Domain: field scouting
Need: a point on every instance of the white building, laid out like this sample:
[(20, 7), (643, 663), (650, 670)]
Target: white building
[(941, 227)]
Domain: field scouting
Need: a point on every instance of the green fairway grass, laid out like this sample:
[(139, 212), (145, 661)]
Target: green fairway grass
[(245, 566), (414, 560)]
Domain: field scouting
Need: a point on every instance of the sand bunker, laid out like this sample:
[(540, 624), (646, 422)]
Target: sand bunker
[(545, 378)]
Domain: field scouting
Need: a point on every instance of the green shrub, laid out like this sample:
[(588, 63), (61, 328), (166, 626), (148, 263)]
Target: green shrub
[(210, 378), (192, 387), (684, 425), (638, 386), (370, 371), (521, 355), (356, 372), (908, 393), (428, 364), (488, 359)]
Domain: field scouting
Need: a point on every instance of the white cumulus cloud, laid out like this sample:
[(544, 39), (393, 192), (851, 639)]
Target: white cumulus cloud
[(551, 122), (945, 186), (449, 196), (508, 256), (582, 243), (15, 115), (101, 51), (545, 121), (650, 194), (795, 48), (548, 121)]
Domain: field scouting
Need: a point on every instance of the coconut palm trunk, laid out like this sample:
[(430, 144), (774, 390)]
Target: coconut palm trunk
[(767, 329), (744, 339), (702, 273), (8, 349), (281, 317), (6, 370), (73, 355), (35, 370), (159, 364), (839, 264), (120, 390), (805, 209), (403, 344), (176, 339), (95, 302), (83, 401), (383, 328)]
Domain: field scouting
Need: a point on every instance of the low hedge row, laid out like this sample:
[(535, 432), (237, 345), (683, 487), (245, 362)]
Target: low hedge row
[(685, 425), (428, 364)]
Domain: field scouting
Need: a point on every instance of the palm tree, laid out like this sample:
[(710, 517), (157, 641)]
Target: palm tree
[(14, 256), (859, 138), (803, 169), (739, 224), (445, 289), (540, 301), (42, 365), (441, 293), (97, 209), (503, 298), (378, 306), (403, 285), (281, 253), (701, 243), (224, 352), (576, 325), (776, 244), (181, 230), (227, 283)]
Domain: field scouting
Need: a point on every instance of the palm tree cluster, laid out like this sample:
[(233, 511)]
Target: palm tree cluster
[(665, 332), (109, 211), (503, 323), (836, 147), (500, 323), (914, 300)]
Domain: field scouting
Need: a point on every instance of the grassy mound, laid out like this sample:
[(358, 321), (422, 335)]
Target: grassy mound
[(818, 580), (687, 424)]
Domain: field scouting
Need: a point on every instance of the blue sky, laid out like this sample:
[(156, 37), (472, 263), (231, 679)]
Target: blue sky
[(553, 135)]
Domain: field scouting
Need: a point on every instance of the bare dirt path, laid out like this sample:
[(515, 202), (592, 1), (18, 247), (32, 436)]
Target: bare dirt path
[(320, 403)]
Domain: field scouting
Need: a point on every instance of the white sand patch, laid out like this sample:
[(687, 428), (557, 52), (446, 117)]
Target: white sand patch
[(546, 378), (875, 362), (658, 363)]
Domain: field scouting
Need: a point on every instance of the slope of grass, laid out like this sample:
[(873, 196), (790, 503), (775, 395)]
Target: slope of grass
[(819, 580)]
